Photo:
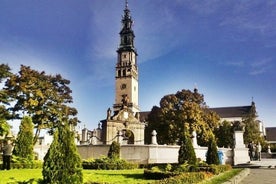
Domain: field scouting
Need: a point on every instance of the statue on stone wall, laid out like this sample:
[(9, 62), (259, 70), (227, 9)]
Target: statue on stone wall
[(108, 114), (238, 126)]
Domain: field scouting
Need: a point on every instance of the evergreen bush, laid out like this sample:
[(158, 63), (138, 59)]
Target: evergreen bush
[(186, 152), (62, 163), (114, 150), (24, 142), (212, 153)]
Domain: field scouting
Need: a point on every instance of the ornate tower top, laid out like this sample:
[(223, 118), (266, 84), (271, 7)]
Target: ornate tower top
[(126, 33)]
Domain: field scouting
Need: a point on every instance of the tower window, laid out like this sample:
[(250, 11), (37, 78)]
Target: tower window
[(124, 73), (119, 73)]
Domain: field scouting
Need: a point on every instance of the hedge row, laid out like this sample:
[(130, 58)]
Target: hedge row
[(108, 164), (181, 171)]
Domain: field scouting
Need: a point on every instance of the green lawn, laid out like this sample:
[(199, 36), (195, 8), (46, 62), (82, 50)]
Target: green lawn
[(100, 176)]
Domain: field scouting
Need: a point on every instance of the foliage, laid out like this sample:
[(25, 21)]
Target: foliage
[(186, 153), (224, 134), (43, 97), (24, 141), (106, 163), (62, 163), (222, 178), (114, 150), (252, 130), (188, 177), (4, 100), (212, 153), (25, 163), (176, 110)]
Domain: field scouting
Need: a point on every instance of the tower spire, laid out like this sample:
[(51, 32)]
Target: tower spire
[(126, 4)]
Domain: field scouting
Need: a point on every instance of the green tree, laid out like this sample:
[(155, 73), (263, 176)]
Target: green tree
[(114, 150), (186, 153), (252, 130), (4, 101), (24, 143), (184, 107), (212, 152), (224, 134), (43, 97), (62, 163)]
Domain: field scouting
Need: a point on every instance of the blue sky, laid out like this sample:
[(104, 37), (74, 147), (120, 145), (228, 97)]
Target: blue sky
[(225, 48)]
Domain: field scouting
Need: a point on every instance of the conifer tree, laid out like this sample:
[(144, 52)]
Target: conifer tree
[(62, 163), (212, 153), (186, 152), (24, 142), (114, 150)]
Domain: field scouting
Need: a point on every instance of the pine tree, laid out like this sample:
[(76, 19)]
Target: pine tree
[(24, 142), (114, 150), (186, 152), (62, 163), (212, 153)]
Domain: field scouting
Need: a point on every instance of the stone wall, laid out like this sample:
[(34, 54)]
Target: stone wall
[(147, 154)]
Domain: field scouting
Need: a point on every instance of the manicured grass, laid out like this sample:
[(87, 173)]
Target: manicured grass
[(99, 176), (19, 175)]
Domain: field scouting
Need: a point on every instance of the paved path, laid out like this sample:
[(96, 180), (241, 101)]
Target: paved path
[(266, 174), (260, 176)]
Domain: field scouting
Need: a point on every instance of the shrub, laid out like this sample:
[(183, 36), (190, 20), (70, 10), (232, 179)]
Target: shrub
[(25, 163), (114, 150), (106, 163), (212, 153), (24, 142), (186, 152), (188, 177), (62, 162)]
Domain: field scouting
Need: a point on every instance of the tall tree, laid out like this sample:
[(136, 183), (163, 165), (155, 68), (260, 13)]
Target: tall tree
[(252, 126), (42, 97), (184, 107), (62, 163), (224, 134), (24, 142), (4, 100)]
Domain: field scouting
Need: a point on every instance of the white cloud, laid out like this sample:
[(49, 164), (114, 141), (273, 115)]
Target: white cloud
[(260, 66)]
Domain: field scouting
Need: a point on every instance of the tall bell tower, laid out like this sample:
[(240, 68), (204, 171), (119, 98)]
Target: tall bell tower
[(126, 77)]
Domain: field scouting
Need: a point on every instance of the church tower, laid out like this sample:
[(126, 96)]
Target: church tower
[(126, 77), (124, 125)]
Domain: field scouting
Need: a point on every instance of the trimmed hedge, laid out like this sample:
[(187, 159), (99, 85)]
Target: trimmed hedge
[(106, 163), (168, 171), (188, 177)]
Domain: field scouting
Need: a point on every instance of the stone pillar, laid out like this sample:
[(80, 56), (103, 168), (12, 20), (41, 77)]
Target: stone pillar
[(268, 149), (154, 138), (120, 137), (194, 139), (94, 138), (240, 151), (84, 136)]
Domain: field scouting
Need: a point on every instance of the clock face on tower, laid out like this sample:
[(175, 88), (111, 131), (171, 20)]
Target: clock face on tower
[(123, 86)]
